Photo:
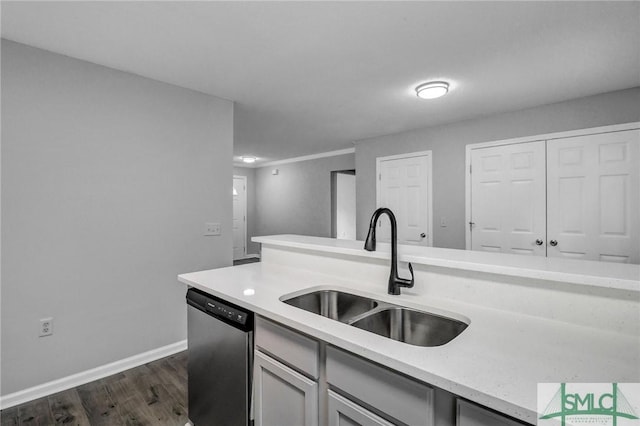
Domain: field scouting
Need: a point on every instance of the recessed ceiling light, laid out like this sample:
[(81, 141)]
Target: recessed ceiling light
[(432, 89), (249, 159)]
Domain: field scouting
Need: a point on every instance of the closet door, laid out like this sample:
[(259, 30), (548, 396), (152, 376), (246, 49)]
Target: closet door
[(593, 195), (508, 199)]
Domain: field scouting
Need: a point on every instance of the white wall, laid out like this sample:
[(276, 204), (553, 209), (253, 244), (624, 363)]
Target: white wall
[(107, 181), (447, 142), (298, 199)]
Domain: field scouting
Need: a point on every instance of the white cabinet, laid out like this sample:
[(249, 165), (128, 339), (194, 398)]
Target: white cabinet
[(575, 197), (343, 412), (295, 349), (283, 396), (393, 396), (300, 381), (286, 369), (473, 415)]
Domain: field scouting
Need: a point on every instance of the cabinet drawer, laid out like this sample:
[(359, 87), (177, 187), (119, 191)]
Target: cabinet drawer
[(343, 412), (473, 415), (290, 347), (403, 399)]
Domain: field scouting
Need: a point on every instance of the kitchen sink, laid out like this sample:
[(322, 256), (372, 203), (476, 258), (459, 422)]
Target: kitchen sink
[(410, 326), (395, 322), (333, 304)]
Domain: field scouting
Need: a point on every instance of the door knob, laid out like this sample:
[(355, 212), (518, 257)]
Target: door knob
[(539, 242), (423, 235), (553, 243)]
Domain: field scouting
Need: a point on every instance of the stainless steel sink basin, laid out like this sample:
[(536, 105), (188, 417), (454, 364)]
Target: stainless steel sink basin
[(412, 327), (333, 304), (385, 319)]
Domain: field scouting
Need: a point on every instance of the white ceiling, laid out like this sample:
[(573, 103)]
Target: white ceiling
[(311, 77)]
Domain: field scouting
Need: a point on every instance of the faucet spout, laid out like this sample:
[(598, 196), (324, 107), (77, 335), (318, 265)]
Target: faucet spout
[(395, 282)]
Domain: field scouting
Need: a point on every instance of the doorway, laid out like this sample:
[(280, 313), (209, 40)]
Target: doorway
[(239, 217), (343, 201), (404, 185)]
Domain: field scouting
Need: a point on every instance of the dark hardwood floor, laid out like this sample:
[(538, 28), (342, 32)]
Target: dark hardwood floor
[(154, 394), (245, 261)]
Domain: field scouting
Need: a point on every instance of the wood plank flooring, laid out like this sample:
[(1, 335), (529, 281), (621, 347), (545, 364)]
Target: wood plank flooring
[(245, 261), (154, 394)]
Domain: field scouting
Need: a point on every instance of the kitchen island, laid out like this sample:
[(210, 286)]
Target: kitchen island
[(530, 320)]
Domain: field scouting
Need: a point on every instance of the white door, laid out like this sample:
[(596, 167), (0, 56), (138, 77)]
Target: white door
[(593, 197), (508, 204), (404, 186), (239, 217)]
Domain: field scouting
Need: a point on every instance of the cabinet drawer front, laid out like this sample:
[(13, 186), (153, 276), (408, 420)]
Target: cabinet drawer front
[(283, 396), (473, 415), (343, 412), (290, 347), (403, 399)]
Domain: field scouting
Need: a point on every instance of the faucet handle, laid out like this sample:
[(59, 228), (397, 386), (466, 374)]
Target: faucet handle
[(404, 282)]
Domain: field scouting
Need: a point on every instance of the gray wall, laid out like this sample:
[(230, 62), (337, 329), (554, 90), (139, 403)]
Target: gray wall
[(298, 199), (448, 145), (107, 181), (250, 173)]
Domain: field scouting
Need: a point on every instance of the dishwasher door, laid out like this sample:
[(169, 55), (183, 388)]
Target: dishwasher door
[(219, 369)]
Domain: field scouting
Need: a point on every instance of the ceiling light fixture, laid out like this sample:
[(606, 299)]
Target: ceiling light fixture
[(248, 159), (432, 89)]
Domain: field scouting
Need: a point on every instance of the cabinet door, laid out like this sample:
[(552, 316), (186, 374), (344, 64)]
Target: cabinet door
[(343, 412), (593, 197), (473, 415), (283, 396), (508, 206)]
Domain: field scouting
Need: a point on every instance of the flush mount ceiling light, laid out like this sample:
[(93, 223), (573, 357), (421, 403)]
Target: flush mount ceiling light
[(432, 89), (248, 159)]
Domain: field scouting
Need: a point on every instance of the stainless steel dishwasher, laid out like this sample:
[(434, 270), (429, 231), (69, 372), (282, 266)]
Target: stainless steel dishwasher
[(220, 341)]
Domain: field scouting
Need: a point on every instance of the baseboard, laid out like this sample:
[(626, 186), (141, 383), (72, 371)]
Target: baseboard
[(87, 376), (249, 256)]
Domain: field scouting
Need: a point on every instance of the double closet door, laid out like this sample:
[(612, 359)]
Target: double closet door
[(575, 197)]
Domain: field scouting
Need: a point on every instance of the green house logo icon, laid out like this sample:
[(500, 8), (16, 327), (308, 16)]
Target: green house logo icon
[(587, 405)]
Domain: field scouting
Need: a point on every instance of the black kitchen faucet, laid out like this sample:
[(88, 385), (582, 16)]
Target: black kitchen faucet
[(395, 282)]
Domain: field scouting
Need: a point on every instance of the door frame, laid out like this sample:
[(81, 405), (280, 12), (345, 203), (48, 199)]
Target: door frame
[(244, 179), (545, 137), (429, 155)]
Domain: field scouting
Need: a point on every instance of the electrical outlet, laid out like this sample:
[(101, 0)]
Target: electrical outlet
[(46, 327), (212, 229)]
